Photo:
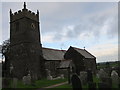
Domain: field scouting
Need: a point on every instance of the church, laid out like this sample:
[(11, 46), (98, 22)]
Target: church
[(28, 56)]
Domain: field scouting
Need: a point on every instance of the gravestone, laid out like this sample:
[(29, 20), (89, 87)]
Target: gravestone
[(14, 82), (62, 76), (49, 77), (59, 77), (107, 81), (5, 82), (11, 68), (83, 77), (108, 71), (103, 86), (115, 78), (76, 82), (92, 86), (89, 76), (102, 74), (28, 78), (24, 80)]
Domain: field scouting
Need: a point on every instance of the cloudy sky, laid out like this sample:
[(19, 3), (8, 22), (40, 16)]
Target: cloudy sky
[(93, 25)]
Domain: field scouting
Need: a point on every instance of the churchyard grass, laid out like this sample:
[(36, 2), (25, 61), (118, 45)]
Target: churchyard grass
[(95, 79), (40, 83), (45, 83)]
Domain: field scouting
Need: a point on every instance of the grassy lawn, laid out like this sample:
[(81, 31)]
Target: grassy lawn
[(44, 83), (40, 83)]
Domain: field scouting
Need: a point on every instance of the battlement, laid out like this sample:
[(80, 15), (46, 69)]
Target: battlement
[(24, 13)]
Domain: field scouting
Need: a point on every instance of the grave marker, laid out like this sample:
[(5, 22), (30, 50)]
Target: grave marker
[(76, 83)]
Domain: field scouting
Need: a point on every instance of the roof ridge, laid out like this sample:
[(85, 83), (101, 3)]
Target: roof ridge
[(53, 49), (77, 48), (83, 50)]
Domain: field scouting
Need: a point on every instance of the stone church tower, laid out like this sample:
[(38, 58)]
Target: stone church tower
[(26, 48)]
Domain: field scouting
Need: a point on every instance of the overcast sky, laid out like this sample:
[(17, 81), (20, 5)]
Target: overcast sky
[(92, 25)]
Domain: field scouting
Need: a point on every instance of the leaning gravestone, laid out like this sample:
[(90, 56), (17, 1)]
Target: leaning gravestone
[(76, 82), (115, 78), (83, 77)]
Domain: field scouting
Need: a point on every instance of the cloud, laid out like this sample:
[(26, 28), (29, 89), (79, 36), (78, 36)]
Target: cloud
[(90, 25), (55, 17), (48, 38), (105, 52)]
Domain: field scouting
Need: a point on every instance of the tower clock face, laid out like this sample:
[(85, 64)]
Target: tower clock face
[(32, 25)]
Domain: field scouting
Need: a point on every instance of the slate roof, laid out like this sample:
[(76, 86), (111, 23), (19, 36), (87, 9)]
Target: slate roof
[(53, 54), (84, 52)]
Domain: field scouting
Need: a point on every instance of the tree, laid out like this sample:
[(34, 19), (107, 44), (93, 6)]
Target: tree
[(5, 48), (6, 54)]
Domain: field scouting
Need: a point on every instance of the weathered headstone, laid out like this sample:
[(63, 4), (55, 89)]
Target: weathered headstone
[(14, 82), (24, 80), (83, 77), (34, 77), (103, 86), (11, 68), (115, 78), (62, 76), (28, 77), (48, 72), (107, 81), (89, 76), (49, 77), (92, 86), (108, 71), (5, 82), (102, 74), (59, 77), (76, 82)]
